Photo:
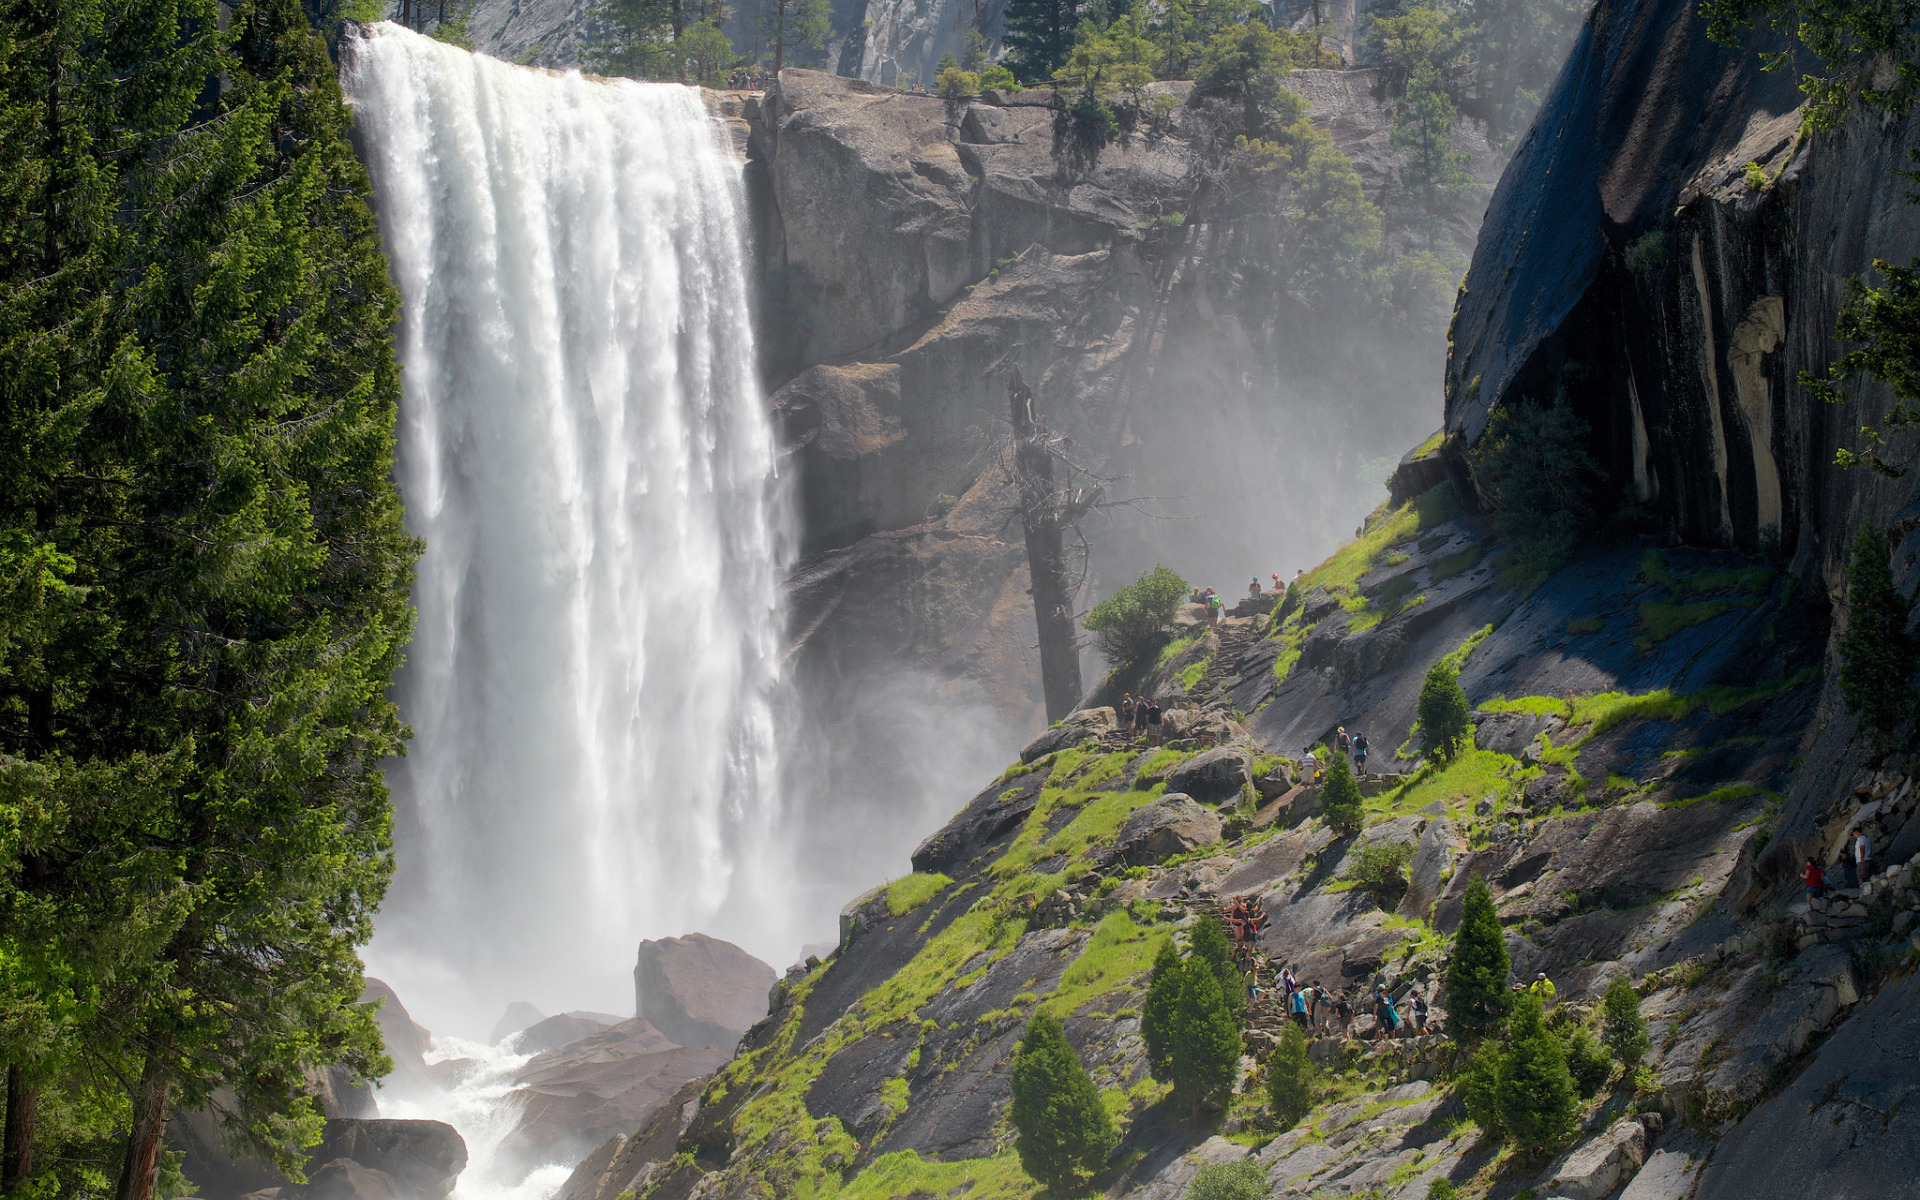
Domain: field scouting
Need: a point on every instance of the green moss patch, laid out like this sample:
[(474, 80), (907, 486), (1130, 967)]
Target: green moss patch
[(1660, 621), (1119, 952), (911, 891)]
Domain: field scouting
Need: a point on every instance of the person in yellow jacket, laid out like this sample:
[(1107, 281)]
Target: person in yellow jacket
[(1542, 987)]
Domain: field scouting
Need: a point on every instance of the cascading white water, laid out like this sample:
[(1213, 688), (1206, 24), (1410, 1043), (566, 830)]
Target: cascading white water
[(586, 452)]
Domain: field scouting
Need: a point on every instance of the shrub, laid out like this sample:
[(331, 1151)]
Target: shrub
[(1381, 868), (1291, 1077), (998, 78), (1133, 623), (1446, 720), (1442, 1189), (1587, 1061), (1193, 1041), (1243, 1180), (1093, 122), (1535, 1096), (1480, 1089), (1622, 1028), (1340, 798), (1064, 1131), (1876, 670), (1533, 472), (956, 84), (1476, 978)]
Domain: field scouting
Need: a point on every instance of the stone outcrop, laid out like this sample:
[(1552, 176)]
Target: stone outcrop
[(1173, 824), (406, 1040), (698, 990), (1213, 776), (357, 1159)]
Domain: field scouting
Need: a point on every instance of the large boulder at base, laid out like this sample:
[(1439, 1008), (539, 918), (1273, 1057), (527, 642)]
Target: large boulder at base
[(424, 1157), (371, 1159), (699, 990), (1213, 775), (1173, 824), (344, 1179), (1847, 1126), (1084, 723), (1592, 1170)]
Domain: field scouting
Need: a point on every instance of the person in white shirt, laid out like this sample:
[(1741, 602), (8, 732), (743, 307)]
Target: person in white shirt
[(1862, 855)]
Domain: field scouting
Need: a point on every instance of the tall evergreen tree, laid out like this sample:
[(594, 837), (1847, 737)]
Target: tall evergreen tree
[(1193, 1040), (1536, 1093), (1476, 976), (1445, 717), (1877, 656), (1210, 945), (1622, 1027), (1064, 1131), (1039, 33), (1340, 800), (1291, 1077), (204, 585)]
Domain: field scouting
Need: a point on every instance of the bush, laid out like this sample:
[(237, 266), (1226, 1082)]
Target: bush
[(1536, 1095), (1876, 670), (956, 84), (1193, 1041), (1587, 1061), (1446, 720), (1133, 623), (998, 78), (1243, 1180), (1622, 1028), (1442, 1189), (1064, 1131), (1340, 798), (1476, 978), (1381, 868), (1532, 470), (1093, 122), (1291, 1077)]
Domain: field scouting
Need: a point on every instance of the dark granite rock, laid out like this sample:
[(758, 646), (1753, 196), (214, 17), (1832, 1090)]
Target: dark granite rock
[(699, 990)]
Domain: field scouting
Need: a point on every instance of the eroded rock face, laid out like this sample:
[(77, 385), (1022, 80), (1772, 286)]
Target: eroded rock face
[(1173, 824), (1213, 775), (700, 991)]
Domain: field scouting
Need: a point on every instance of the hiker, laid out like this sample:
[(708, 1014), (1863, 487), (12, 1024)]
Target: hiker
[(1862, 854), (1393, 1016), (1213, 608), (1297, 1009), (1288, 984), (1256, 918), (1419, 1013), (1343, 1012), (1153, 722), (1309, 765), (1277, 585), (1237, 919), (1253, 589), (1136, 718), (1317, 1011), (1126, 712), (1360, 754), (1342, 744), (1816, 880), (1543, 988)]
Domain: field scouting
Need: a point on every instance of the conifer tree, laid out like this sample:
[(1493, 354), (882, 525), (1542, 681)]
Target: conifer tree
[(1622, 1027), (1193, 1040), (1064, 1132), (1039, 33), (1536, 1094), (1877, 655), (1340, 800), (1291, 1077), (1476, 977), (1445, 717), (1209, 944)]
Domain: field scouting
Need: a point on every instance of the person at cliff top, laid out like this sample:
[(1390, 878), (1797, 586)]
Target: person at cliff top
[(1862, 855), (1153, 722), (1253, 589), (1275, 576), (1542, 987), (1816, 880), (1360, 753)]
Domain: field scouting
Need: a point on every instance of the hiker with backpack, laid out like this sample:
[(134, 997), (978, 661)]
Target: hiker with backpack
[(1153, 723), (1359, 754)]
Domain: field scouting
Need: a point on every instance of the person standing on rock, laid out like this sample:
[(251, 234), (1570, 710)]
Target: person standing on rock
[(1862, 854), (1126, 713), (1816, 880), (1253, 589), (1343, 1012), (1297, 1005), (1309, 766), (1213, 609), (1419, 1013), (1342, 744), (1359, 754), (1153, 723)]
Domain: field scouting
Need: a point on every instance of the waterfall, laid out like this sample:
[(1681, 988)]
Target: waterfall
[(586, 452)]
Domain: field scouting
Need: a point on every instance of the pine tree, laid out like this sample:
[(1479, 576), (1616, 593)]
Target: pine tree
[(1476, 977), (1445, 717), (1340, 800), (1193, 1040), (1291, 1077), (1877, 655), (1210, 945), (1622, 1027), (1064, 1132), (1536, 1093), (1039, 33)]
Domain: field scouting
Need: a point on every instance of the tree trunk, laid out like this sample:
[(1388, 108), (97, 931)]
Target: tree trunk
[(23, 1106), (141, 1168), (779, 34), (1046, 558)]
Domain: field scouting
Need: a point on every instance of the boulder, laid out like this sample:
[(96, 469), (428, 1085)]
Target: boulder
[(1427, 872), (423, 1158), (344, 1179), (519, 1015), (1668, 1175), (1592, 1171), (1824, 983), (1173, 824), (1085, 723), (699, 990), (407, 1042), (555, 1032), (571, 1102), (1213, 775)]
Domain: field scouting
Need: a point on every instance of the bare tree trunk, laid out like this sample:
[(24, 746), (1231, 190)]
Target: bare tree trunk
[(141, 1168), (1046, 558), (679, 64), (23, 1107)]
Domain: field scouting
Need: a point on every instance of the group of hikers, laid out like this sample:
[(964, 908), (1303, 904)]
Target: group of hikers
[(1857, 858), (750, 79), (1141, 715), (1216, 606), (1312, 1006), (1353, 746)]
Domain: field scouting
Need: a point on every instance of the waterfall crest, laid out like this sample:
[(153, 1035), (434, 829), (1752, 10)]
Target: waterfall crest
[(585, 449)]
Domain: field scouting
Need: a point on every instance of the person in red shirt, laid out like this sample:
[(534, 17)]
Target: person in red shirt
[(1816, 880)]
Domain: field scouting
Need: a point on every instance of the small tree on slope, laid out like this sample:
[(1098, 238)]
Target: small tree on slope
[(1445, 719), (1536, 1092), (1064, 1131), (1290, 1077), (1622, 1027), (1877, 656), (1193, 1041), (1210, 945), (1340, 798), (1476, 979)]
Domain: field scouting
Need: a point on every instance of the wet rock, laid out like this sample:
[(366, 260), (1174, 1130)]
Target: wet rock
[(424, 1158), (1078, 726), (573, 1099), (555, 1032), (699, 990), (1212, 776), (1426, 874), (519, 1015), (1173, 824), (406, 1040)]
